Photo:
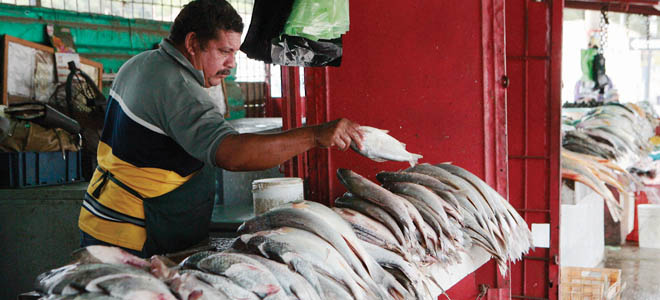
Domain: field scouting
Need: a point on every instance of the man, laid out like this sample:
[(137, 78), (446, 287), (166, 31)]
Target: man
[(153, 190)]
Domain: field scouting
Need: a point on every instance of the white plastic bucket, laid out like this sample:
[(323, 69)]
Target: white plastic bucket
[(271, 192), (648, 219)]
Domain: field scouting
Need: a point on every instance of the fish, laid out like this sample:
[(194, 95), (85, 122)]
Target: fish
[(94, 296), (191, 261), (483, 228), (573, 169), (85, 296), (468, 199), (189, 287), (391, 260), (367, 208), (606, 171), (244, 271), (393, 204), (278, 251), (370, 230), (418, 178), (80, 278), (321, 220), (380, 146), (578, 141), (333, 290), (293, 284), (109, 255), (431, 218), (420, 193), (498, 221), (222, 284), (431, 199), (426, 233), (325, 259), (130, 287), (510, 222)]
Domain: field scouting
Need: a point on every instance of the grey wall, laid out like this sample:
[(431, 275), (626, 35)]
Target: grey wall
[(38, 232)]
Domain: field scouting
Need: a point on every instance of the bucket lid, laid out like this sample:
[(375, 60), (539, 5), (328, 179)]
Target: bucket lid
[(261, 184)]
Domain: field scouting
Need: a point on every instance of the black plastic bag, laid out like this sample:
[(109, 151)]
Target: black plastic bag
[(299, 51), (268, 19)]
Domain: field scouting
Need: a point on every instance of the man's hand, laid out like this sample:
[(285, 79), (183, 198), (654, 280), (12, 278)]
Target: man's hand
[(338, 133)]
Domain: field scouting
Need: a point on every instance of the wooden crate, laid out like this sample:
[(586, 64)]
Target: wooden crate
[(590, 284)]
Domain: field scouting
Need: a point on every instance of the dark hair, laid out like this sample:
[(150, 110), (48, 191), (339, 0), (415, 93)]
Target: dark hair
[(204, 18)]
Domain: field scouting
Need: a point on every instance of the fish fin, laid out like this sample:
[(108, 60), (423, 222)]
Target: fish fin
[(414, 158), (383, 130), (379, 159)]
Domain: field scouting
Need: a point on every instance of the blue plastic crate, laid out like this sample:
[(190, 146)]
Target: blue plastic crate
[(32, 169)]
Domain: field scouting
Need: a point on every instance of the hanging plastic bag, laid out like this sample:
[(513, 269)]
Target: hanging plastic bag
[(267, 23), (302, 52), (264, 40), (586, 61), (318, 19)]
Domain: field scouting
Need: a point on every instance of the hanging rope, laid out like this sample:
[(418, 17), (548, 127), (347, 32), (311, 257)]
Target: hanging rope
[(604, 24)]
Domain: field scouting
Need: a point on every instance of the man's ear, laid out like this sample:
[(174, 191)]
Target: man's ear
[(191, 43)]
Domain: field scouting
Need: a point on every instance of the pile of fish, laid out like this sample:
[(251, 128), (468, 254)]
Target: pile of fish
[(597, 173), (614, 131), (602, 144), (374, 244), (442, 209), (377, 239), (100, 272)]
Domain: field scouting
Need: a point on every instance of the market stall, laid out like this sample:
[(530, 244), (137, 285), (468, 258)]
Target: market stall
[(444, 94)]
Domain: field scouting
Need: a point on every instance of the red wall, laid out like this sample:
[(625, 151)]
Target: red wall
[(414, 68)]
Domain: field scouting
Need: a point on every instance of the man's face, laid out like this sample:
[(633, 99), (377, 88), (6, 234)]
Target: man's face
[(217, 59)]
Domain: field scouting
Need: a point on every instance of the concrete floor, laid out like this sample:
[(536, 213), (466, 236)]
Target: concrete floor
[(639, 270)]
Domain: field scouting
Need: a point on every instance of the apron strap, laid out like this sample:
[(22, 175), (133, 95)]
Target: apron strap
[(105, 175)]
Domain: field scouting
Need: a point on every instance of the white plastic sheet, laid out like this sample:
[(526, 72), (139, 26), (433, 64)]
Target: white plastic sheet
[(21, 63)]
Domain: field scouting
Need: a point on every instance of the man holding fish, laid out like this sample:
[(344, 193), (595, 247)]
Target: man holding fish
[(153, 189)]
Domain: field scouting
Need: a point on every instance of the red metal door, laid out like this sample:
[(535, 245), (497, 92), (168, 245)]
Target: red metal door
[(292, 114), (533, 50)]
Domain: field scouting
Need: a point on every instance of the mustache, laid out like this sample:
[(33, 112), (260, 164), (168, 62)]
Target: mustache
[(224, 72)]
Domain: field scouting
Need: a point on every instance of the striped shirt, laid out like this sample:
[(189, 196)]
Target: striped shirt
[(160, 128)]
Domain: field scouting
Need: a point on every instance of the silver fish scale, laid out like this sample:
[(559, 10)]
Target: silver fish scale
[(137, 288), (223, 284), (244, 271)]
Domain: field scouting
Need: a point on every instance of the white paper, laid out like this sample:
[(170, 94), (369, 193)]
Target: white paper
[(62, 62), (541, 235), (91, 71), (20, 70), (44, 76)]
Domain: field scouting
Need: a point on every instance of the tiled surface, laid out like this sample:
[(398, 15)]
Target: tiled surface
[(639, 270)]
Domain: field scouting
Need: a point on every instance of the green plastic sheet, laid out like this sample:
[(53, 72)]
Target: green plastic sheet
[(318, 19), (587, 60)]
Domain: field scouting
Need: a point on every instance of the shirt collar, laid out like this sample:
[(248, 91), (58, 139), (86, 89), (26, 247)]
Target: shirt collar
[(167, 47)]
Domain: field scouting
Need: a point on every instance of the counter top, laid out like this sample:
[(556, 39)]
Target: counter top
[(73, 191), (251, 125)]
